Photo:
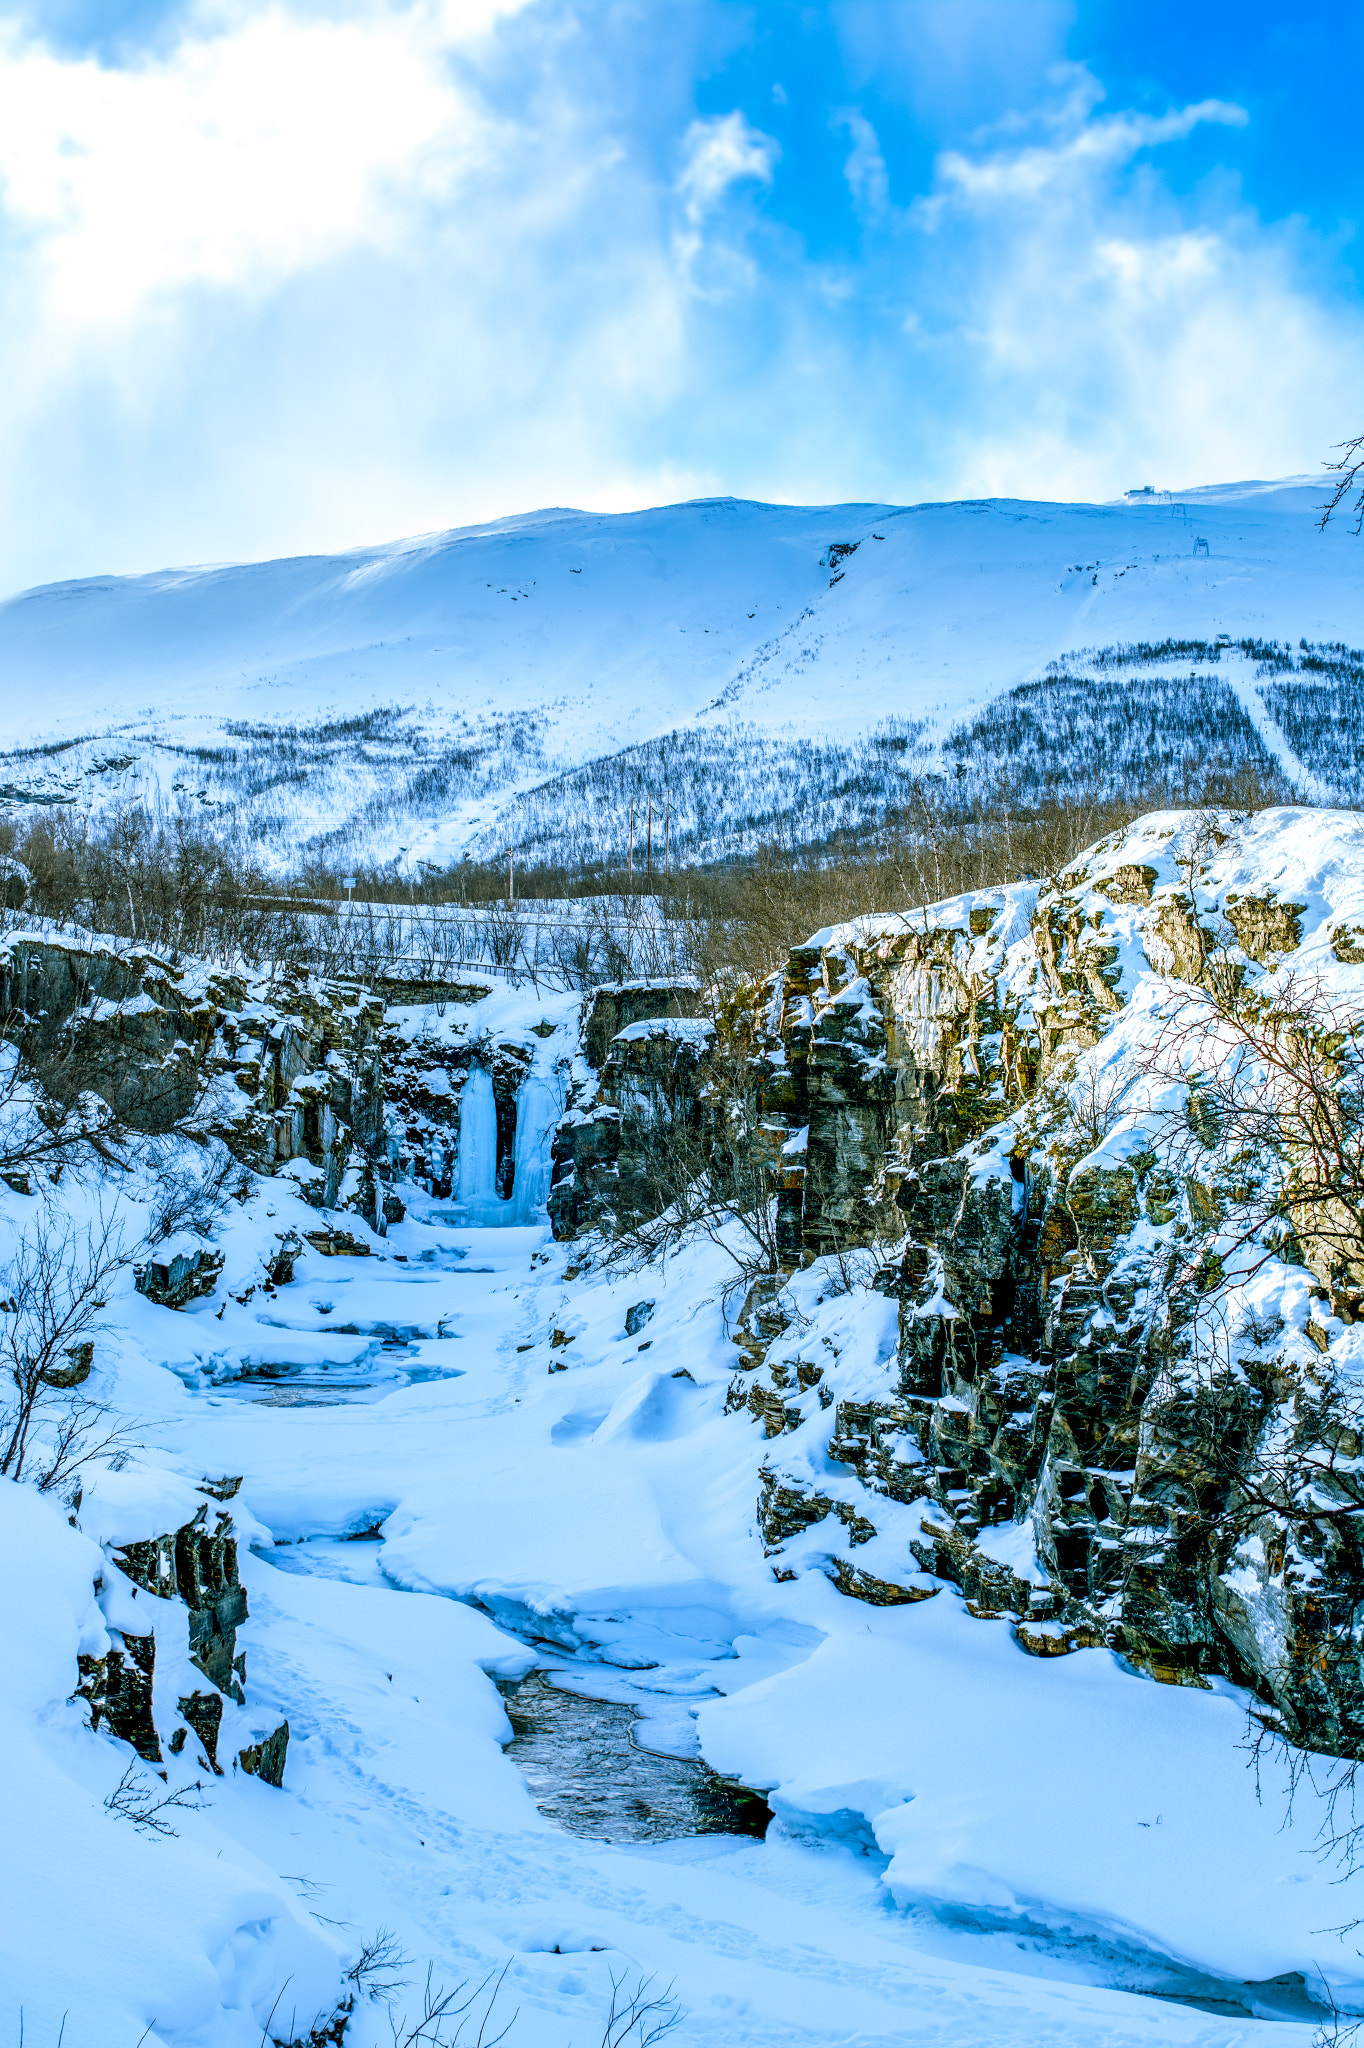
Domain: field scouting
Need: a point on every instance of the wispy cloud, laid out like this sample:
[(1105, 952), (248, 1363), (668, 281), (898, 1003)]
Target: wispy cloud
[(1105, 333), (865, 171), (307, 272), (719, 153)]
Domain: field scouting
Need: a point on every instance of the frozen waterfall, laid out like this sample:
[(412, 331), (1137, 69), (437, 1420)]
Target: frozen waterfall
[(539, 1106), (477, 1141)]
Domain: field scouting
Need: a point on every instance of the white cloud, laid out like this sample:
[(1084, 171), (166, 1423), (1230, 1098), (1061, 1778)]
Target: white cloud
[(1107, 338), (327, 271), (721, 152), (254, 149), (1093, 145), (865, 170)]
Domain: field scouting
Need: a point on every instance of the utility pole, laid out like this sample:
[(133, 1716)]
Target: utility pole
[(667, 834), (511, 878), (649, 846), (632, 845)]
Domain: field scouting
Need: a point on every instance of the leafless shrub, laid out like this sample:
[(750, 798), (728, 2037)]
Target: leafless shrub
[(146, 1805), (193, 1190), (851, 1268), (502, 930), (53, 1291), (639, 2013), (174, 882), (699, 1174), (1265, 1122), (1095, 1103), (1349, 471), (376, 1970), (1275, 1082), (1338, 2029), (448, 2017), (573, 955)]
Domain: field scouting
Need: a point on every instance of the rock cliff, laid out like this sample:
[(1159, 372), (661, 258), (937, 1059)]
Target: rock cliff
[(636, 1080), (1125, 1398), (194, 1567), (285, 1071)]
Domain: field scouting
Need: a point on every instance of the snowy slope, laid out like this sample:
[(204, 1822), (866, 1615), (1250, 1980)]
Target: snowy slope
[(605, 1513), (971, 1845), (595, 632)]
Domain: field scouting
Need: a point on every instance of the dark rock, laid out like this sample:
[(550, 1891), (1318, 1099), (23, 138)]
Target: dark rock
[(337, 1244), (179, 1277), (200, 1565), (146, 1036), (80, 1363), (1265, 928), (280, 1263), (118, 1689), (860, 1585), (404, 992), (614, 1007), (785, 1508), (620, 1149), (203, 1711), (265, 1760), (637, 1317), (206, 1575)]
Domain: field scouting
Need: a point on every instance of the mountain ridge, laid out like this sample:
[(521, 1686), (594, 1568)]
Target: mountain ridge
[(508, 653)]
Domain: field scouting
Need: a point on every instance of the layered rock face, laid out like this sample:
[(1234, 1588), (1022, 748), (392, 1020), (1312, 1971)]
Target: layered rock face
[(1110, 1440), (196, 1567), (636, 1086), (282, 1071)]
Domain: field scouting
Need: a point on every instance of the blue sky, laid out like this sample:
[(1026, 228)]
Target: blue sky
[(288, 276)]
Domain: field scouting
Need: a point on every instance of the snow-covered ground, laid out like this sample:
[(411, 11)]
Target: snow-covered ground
[(970, 1844), (490, 659)]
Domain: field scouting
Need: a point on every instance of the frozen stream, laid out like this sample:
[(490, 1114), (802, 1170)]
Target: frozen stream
[(414, 1398), (587, 1771)]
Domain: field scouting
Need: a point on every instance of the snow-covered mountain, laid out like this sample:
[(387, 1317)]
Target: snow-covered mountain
[(410, 698)]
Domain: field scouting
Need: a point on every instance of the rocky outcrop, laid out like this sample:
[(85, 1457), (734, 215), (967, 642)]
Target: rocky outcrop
[(635, 1106), (202, 1713), (117, 1688), (195, 1566), (1059, 1371), (198, 1565), (307, 1084), (265, 1759), (285, 1071), (179, 1273)]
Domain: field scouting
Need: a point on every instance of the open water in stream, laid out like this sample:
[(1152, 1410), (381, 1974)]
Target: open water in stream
[(583, 1760), (589, 1775), (579, 1756)]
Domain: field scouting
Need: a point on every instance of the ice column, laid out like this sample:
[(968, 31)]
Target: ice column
[(477, 1139), (539, 1106)]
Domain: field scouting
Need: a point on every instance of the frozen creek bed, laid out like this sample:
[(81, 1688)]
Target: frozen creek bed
[(509, 1595)]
